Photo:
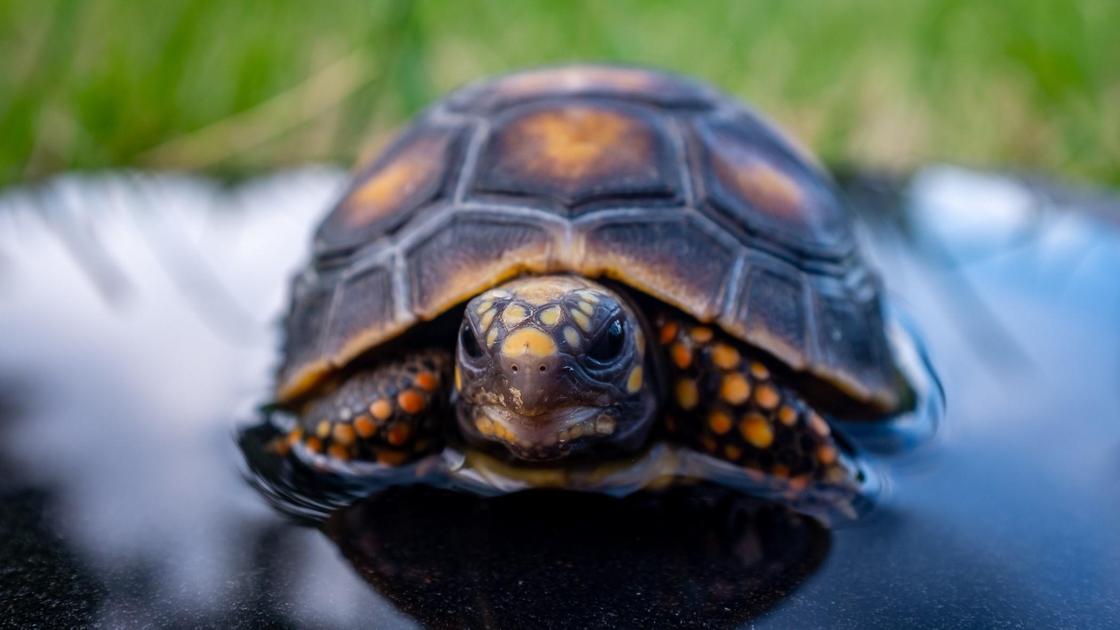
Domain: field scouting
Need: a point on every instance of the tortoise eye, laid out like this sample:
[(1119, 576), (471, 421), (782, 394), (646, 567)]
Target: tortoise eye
[(469, 341), (609, 344)]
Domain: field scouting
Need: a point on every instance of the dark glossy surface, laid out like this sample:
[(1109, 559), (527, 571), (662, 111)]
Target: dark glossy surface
[(138, 328)]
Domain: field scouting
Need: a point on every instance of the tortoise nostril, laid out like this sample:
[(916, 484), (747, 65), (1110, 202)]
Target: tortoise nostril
[(513, 368), (544, 368)]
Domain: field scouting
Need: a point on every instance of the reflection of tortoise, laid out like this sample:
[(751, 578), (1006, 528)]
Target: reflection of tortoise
[(690, 557), (640, 258)]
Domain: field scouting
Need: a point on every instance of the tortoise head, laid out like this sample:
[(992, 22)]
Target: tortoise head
[(550, 366)]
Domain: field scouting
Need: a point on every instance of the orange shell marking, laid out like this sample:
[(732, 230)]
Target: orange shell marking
[(571, 143), (770, 189), (416, 165), (755, 178)]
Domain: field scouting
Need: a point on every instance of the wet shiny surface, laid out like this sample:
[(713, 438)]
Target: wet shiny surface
[(138, 320)]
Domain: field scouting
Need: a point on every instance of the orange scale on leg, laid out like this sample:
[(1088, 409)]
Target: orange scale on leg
[(295, 436), (681, 355), (427, 381), (364, 427), (399, 434), (338, 451), (381, 409), (719, 422), (702, 334), (411, 401), (668, 333), (343, 434), (391, 457)]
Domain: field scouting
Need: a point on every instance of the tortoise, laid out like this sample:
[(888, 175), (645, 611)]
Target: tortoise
[(572, 263)]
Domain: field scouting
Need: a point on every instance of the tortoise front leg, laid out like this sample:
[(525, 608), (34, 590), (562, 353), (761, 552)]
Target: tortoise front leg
[(391, 412), (726, 402)]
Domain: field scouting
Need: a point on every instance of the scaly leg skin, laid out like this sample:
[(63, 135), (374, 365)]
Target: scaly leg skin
[(391, 413), (728, 405)]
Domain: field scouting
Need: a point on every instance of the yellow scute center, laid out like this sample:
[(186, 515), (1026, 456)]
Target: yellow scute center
[(528, 341)]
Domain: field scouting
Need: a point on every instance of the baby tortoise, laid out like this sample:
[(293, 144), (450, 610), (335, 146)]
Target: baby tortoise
[(575, 262)]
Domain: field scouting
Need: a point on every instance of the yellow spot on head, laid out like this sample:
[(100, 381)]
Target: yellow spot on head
[(587, 307), (550, 316), (634, 381), (588, 296), (492, 337), (458, 378), (338, 451), (487, 318), (756, 430), (484, 425), (483, 306), (687, 395), (514, 315), (528, 341), (734, 388), (581, 319), (542, 290), (323, 429), (571, 337)]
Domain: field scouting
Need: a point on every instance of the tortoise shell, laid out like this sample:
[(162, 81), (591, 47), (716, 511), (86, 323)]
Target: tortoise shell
[(643, 177)]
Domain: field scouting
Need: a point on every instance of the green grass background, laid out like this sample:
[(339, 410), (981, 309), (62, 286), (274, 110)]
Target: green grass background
[(236, 87)]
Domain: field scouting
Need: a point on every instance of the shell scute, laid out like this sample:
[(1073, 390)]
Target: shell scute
[(753, 178), (366, 314), (669, 257), (307, 318), (413, 171), (631, 174), (470, 254), (574, 153)]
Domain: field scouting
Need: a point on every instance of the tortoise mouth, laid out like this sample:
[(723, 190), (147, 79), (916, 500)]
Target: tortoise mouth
[(548, 436)]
